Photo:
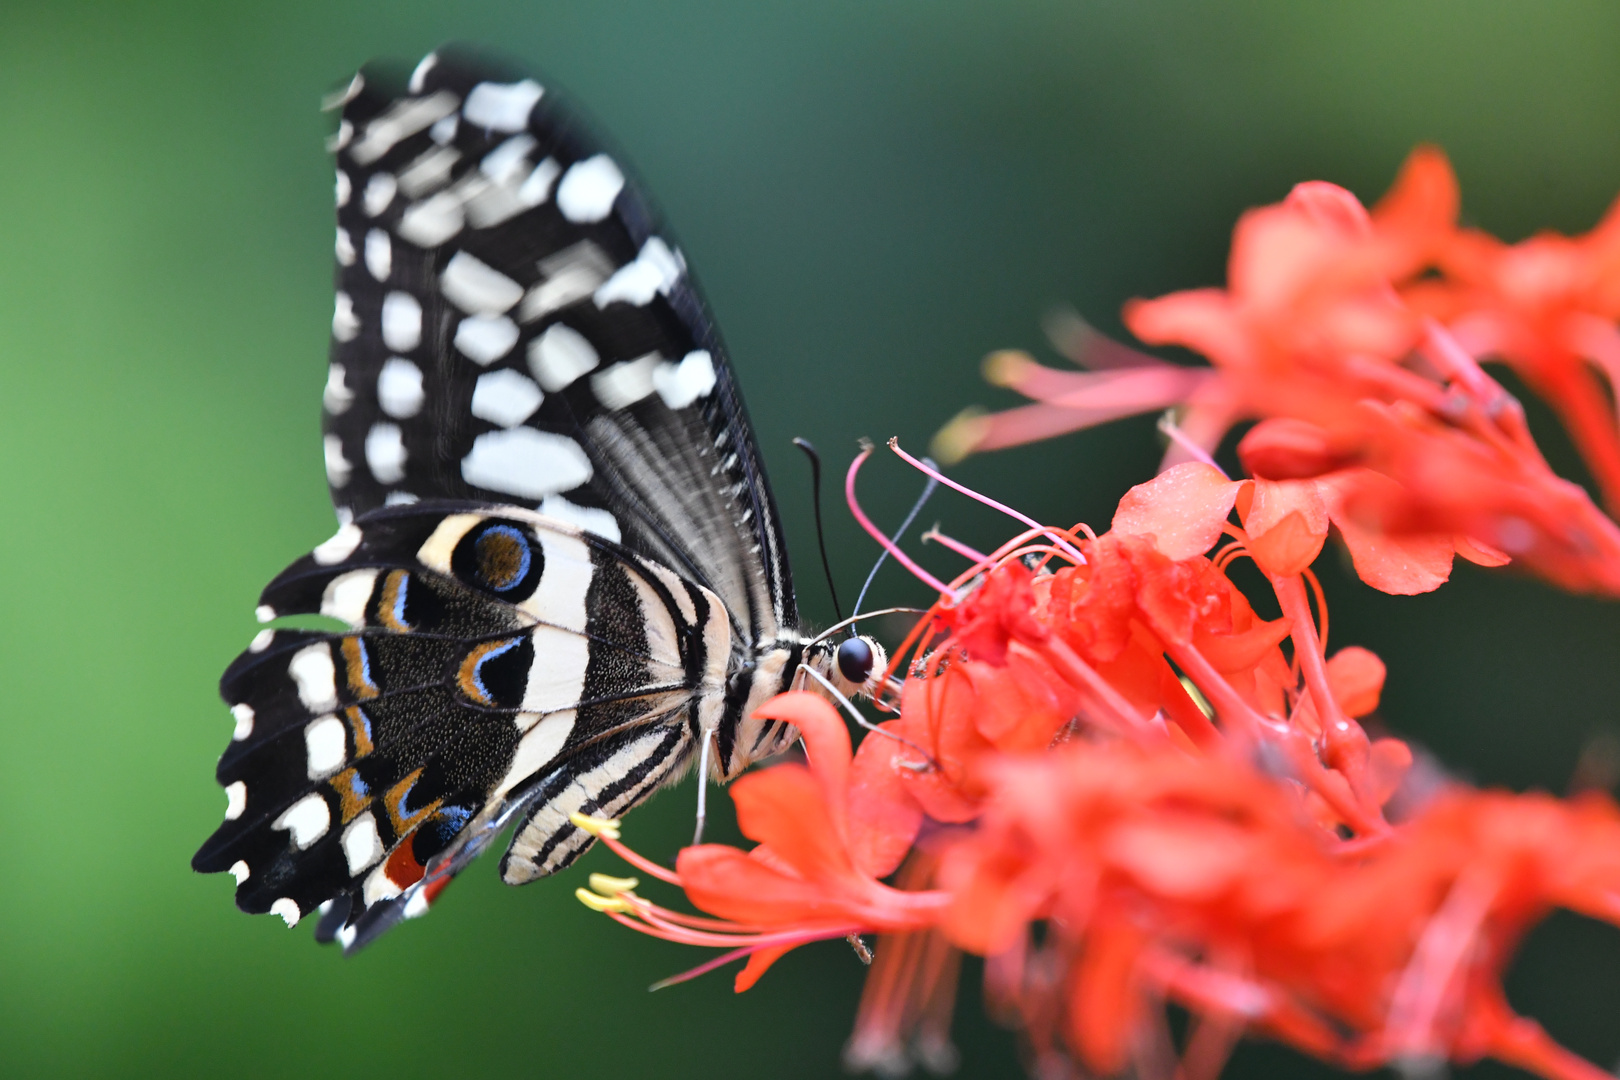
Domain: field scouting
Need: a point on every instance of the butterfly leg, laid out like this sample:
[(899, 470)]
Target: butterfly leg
[(703, 787)]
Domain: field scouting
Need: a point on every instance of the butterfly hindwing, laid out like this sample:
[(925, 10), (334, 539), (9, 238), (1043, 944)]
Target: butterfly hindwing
[(513, 325), (495, 661)]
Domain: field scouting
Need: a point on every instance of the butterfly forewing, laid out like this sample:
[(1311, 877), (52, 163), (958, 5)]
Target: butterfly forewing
[(513, 325)]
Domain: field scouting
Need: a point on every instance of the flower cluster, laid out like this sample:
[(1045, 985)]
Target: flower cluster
[(1100, 767), (1354, 338)]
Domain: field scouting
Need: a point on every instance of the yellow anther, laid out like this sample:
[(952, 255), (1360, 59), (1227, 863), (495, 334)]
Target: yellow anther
[(611, 886), (1198, 697), (608, 827), (600, 903), (960, 437)]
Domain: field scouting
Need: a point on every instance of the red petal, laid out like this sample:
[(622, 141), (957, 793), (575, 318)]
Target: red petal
[(1479, 553), (1287, 523), (1204, 320), (758, 963), (827, 740), (1287, 449), (1022, 704), (883, 817), (1105, 1007), (785, 807), (1400, 565), (1356, 677), (1183, 509), (724, 881)]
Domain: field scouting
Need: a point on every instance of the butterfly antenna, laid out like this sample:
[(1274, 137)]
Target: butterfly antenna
[(928, 490), (821, 538)]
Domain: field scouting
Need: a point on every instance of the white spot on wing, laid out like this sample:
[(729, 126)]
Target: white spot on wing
[(340, 138), (502, 106), (379, 254), (559, 356), (337, 397), (243, 714), (523, 461), (379, 193), (419, 75), (326, 743), (429, 172), (503, 163), (311, 669), (623, 384), (401, 321), (345, 596), (477, 288), (589, 518), (361, 844), (339, 547), (433, 221), (402, 120), (343, 188), (541, 743), (655, 270), (445, 130), (399, 388), (338, 467), (504, 397), (379, 886), (307, 820), (435, 551), (345, 323), (536, 187), (240, 871), (287, 908), (589, 188), (399, 498), (343, 247), (681, 384), (568, 277), (235, 800), (484, 339), (261, 641), (385, 453), (339, 98)]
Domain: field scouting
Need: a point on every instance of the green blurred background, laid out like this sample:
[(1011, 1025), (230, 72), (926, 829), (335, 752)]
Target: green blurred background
[(874, 195)]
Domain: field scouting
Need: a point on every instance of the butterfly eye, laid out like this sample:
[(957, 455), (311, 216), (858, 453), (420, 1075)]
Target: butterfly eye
[(498, 557), (855, 660)]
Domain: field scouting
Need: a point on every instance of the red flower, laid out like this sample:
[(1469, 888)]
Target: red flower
[(1546, 306), (1323, 333), (1159, 876)]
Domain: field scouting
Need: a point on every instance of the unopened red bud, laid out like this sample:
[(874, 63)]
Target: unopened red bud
[(1285, 449)]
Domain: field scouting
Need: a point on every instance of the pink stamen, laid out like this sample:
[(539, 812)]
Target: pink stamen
[(640, 862), (935, 536), (926, 470), (704, 968), (1007, 548), (1447, 353), (1173, 432), (877, 534)]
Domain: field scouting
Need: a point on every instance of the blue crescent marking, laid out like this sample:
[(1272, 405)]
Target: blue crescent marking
[(478, 668), (399, 601)]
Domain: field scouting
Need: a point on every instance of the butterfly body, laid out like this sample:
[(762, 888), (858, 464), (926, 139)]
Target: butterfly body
[(559, 566)]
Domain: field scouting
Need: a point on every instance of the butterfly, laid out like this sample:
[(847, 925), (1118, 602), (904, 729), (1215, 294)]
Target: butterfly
[(559, 564)]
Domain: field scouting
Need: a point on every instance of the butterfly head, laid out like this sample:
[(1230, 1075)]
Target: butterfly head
[(855, 665)]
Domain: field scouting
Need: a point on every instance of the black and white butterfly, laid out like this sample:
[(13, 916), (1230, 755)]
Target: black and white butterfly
[(559, 561)]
